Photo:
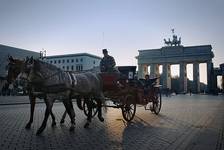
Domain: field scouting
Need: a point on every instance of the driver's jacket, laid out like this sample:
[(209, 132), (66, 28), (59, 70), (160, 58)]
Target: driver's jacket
[(107, 64)]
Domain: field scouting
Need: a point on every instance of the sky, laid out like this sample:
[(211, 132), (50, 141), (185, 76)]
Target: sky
[(121, 26)]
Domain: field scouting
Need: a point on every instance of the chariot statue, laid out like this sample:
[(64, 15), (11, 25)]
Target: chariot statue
[(175, 41)]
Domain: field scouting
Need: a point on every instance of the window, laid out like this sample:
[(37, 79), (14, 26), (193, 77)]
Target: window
[(72, 60), (51, 61), (59, 61), (63, 67), (67, 67), (63, 61), (77, 60), (55, 62), (72, 67), (81, 60), (67, 60), (94, 62), (79, 67)]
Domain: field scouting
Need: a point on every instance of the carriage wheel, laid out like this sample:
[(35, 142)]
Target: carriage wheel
[(129, 108), (157, 102), (94, 108)]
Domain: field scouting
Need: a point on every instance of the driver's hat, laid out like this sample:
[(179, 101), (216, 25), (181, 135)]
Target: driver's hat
[(105, 50)]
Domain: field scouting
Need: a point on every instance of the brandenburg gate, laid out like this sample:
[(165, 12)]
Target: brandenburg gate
[(175, 53)]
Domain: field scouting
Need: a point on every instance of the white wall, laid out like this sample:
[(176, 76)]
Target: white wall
[(87, 62)]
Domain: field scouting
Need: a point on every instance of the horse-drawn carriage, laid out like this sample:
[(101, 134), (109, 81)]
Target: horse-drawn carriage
[(126, 92), (46, 81)]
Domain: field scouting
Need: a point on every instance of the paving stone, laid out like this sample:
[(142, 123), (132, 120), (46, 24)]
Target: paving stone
[(185, 122)]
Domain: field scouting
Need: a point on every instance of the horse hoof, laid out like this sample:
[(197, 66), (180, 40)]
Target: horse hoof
[(72, 128), (53, 124), (28, 126), (101, 119), (39, 132), (62, 121), (86, 125)]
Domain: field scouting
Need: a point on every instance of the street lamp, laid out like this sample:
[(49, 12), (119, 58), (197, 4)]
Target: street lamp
[(43, 54)]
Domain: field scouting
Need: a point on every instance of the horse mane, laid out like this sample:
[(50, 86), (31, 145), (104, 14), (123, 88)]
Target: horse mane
[(38, 63), (17, 61)]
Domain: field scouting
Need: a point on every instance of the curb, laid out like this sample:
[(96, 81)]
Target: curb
[(5, 104)]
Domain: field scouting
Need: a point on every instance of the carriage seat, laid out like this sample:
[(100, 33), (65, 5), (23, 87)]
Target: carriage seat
[(109, 80), (150, 82)]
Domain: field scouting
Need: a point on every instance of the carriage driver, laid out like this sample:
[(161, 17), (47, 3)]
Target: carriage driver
[(107, 64)]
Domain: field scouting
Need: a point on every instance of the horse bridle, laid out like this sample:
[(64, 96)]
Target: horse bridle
[(13, 70)]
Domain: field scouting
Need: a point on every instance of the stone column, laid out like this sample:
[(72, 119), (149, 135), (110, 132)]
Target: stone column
[(183, 78), (209, 76), (154, 70), (196, 78), (166, 76), (145, 71), (140, 71)]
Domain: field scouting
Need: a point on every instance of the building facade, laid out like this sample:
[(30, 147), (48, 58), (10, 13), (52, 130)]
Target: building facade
[(217, 71), (170, 55), (74, 62), (17, 53)]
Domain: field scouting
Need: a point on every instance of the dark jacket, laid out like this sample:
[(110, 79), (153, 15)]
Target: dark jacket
[(107, 64)]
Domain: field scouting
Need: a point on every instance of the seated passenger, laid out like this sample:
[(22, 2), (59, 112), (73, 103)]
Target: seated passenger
[(147, 84)]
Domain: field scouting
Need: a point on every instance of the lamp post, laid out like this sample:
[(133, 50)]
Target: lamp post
[(43, 54)]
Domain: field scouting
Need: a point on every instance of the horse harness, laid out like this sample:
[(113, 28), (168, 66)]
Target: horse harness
[(72, 78)]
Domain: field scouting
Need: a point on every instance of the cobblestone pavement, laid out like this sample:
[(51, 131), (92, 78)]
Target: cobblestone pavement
[(185, 122)]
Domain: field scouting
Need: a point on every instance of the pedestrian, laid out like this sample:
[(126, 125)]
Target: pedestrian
[(147, 84)]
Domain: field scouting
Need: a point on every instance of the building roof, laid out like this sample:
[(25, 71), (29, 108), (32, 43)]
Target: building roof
[(176, 54), (196, 46), (12, 49), (74, 55)]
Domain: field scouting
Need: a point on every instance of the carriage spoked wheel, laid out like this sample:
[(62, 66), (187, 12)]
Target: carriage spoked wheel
[(157, 101), (94, 107), (129, 108)]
